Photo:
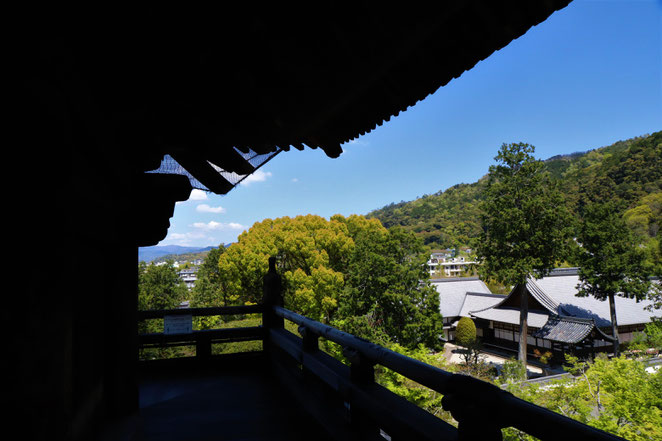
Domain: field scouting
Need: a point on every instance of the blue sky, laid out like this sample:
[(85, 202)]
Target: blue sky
[(587, 77)]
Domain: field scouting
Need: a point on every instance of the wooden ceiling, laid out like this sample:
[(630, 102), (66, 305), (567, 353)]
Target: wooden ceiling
[(203, 83)]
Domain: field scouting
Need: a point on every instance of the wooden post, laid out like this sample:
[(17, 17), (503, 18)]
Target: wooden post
[(362, 370), (475, 405), (310, 339), (272, 296), (362, 373), (203, 347)]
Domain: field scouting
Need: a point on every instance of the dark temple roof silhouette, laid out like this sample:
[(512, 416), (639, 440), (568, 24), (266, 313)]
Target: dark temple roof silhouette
[(214, 85)]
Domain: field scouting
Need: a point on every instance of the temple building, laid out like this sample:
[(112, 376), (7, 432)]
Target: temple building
[(558, 320)]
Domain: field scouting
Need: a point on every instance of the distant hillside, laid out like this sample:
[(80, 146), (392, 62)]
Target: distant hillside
[(175, 252), (627, 171)]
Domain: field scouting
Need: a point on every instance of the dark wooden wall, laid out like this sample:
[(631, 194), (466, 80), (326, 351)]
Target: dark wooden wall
[(78, 212)]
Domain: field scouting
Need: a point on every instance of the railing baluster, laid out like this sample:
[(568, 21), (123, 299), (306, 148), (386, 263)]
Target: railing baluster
[(310, 339), (362, 370), (203, 347), (272, 296), (476, 406)]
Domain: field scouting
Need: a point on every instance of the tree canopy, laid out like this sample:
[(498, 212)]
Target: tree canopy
[(159, 286), (609, 258), (526, 227), (347, 271)]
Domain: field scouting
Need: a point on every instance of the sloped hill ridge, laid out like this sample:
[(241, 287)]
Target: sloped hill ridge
[(627, 171)]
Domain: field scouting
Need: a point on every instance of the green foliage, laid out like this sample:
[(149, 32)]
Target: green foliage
[(627, 172), (159, 287), (442, 220), (653, 333), (209, 289), (512, 371), (526, 228), (611, 263), (651, 338), (617, 396), (465, 332), (610, 260), (350, 272), (416, 393)]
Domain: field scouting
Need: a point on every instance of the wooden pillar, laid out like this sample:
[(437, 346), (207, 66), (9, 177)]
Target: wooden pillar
[(272, 295), (362, 373), (310, 339), (476, 406)]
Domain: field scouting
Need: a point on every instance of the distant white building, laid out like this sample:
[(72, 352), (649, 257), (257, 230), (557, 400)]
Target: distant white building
[(189, 276), (451, 266)]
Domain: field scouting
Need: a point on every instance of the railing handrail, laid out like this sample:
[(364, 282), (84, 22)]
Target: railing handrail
[(506, 409), (204, 311), (411, 368)]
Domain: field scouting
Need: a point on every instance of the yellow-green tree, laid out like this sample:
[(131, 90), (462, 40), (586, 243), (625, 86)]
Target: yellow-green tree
[(347, 271)]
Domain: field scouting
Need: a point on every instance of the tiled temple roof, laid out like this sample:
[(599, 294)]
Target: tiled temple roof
[(569, 330)]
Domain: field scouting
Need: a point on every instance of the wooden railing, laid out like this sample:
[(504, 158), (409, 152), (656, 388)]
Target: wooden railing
[(203, 340), (348, 402)]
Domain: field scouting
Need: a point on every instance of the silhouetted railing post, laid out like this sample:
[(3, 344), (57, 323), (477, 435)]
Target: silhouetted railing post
[(310, 340), (272, 296), (203, 348), (361, 373), (362, 370), (476, 406)]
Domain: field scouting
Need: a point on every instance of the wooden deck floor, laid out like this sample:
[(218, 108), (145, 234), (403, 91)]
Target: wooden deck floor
[(239, 403)]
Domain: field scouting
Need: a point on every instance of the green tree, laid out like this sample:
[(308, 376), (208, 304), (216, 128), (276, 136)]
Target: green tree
[(610, 260), (465, 336), (465, 332), (344, 271), (526, 226), (209, 289), (159, 287), (386, 280)]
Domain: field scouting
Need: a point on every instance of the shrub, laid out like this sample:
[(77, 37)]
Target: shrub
[(465, 333)]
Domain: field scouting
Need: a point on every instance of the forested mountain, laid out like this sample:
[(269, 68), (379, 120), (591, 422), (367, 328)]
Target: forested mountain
[(629, 172), (174, 252)]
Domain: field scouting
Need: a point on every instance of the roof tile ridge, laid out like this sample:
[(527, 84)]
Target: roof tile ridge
[(539, 294)]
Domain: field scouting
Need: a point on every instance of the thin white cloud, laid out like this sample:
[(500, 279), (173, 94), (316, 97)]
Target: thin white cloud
[(358, 141), (198, 195), (295, 179), (205, 208), (184, 239), (215, 226), (257, 176)]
